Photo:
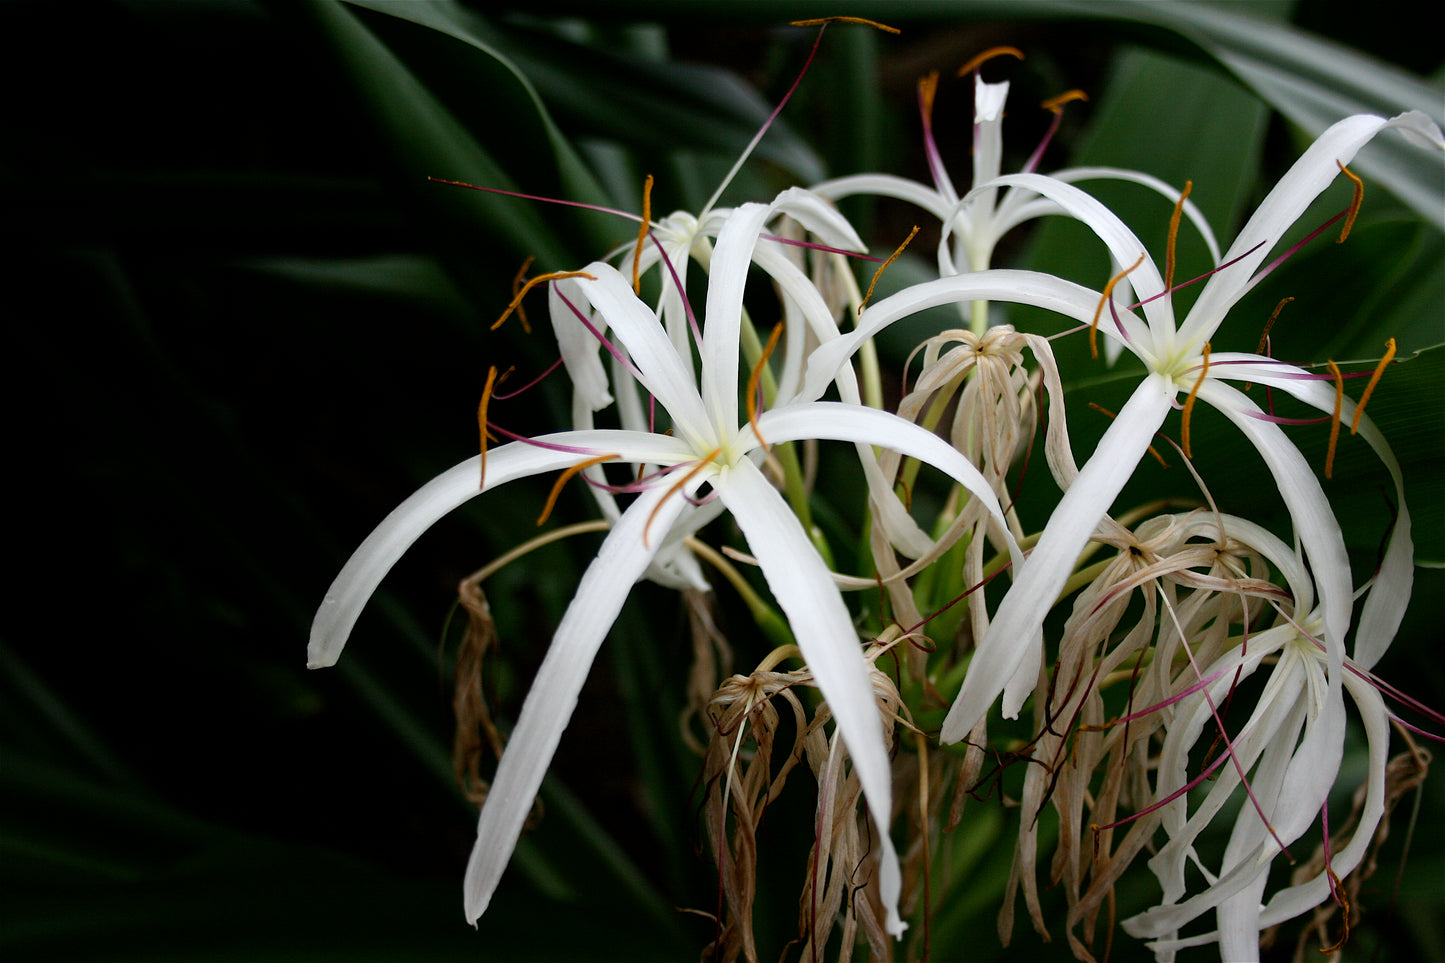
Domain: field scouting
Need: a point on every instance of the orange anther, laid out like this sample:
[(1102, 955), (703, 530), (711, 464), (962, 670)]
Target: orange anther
[(642, 235), (482, 418), (927, 88), (754, 377), (1374, 380), (1056, 104), (539, 279), (1174, 235), (1335, 419), (1103, 299), (563, 478), (518, 280), (1189, 404), (988, 55), (879, 273), (1355, 202), (823, 21)]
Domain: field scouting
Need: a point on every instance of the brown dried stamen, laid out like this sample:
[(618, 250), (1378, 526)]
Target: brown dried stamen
[(1374, 380)]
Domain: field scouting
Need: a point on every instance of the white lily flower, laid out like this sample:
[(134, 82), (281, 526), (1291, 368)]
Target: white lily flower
[(1174, 357), (712, 445), (974, 223), (1293, 743)]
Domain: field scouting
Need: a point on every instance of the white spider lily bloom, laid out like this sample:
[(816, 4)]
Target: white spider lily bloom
[(681, 239), (1293, 744), (710, 445), (974, 223), (1174, 356)]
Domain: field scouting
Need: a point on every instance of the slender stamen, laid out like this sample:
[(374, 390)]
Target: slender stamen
[(702, 463), (539, 279), (482, 419), (822, 24), (1335, 419), (563, 478), (496, 396), (1264, 335), (1374, 380), (1104, 299), (1189, 403), (879, 273), (517, 281), (1355, 203), (824, 21), (642, 235), (754, 377), (1056, 104), (988, 55), (1174, 234), (1152, 450)]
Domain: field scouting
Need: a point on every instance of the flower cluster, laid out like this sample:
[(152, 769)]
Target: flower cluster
[(684, 414)]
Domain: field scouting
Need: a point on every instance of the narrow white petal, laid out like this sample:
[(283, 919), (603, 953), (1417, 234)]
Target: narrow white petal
[(1315, 170), (1390, 595), (652, 352), (364, 571), (887, 185), (727, 277), (1021, 287), (1020, 616), (623, 557), (832, 421), (804, 588), (1309, 509)]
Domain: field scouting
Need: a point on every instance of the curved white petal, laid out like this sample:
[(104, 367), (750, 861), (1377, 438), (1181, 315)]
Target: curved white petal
[(1390, 594), (1122, 243), (364, 571), (834, 421), (825, 634), (1020, 616), (887, 185), (1315, 170), (727, 277), (1195, 216), (1022, 287), (637, 328), (625, 554), (1309, 509)]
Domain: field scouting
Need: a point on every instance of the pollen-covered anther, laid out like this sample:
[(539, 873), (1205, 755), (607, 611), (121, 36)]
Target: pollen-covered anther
[(989, 54), (1103, 300), (824, 21), (1335, 419), (1355, 202), (927, 91), (1370, 388), (518, 280), (642, 235), (487, 389), (1169, 257), (516, 301), (562, 480), (754, 377), (879, 273), (1189, 404), (1056, 104)]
